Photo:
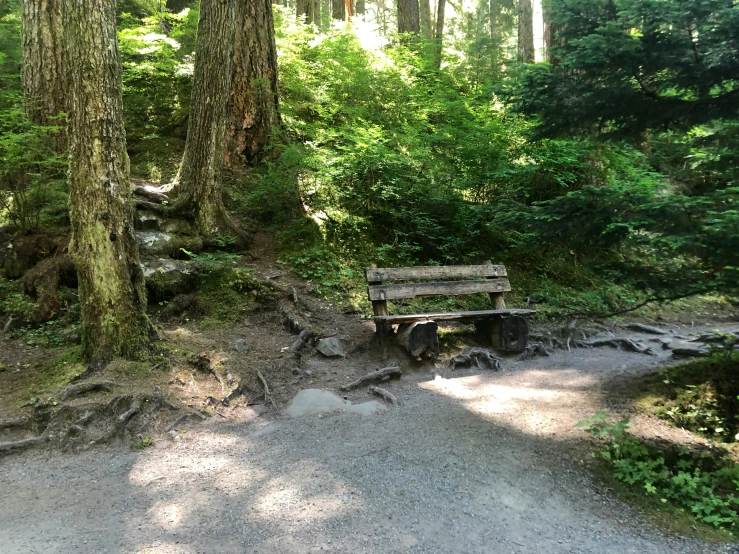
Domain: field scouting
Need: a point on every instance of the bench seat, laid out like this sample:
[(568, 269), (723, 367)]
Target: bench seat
[(449, 316)]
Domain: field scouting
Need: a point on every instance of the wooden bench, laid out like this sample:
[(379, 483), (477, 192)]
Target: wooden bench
[(506, 329)]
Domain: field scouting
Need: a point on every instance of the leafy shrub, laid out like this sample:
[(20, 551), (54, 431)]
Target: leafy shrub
[(703, 483)]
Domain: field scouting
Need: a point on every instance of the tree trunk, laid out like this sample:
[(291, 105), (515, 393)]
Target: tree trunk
[(103, 245), (317, 13), (525, 31), (42, 69), (408, 16), (176, 6), (425, 18), (199, 193), (338, 10), (494, 40), (349, 9), (253, 112), (360, 7), (440, 7), (305, 9), (548, 31)]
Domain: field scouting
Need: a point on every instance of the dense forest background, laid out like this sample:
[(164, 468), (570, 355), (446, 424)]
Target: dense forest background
[(590, 145)]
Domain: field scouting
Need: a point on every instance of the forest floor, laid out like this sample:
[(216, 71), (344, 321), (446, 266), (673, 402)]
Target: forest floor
[(469, 461)]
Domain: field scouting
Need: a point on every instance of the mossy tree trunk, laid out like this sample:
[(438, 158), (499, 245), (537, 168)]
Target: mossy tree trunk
[(525, 31), (408, 16), (199, 193), (42, 68), (253, 108), (103, 246)]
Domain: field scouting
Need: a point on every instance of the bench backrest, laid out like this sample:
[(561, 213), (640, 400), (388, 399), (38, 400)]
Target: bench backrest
[(494, 281)]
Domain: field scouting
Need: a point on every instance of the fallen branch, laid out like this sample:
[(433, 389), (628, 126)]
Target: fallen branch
[(267, 394), (386, 372), (386, 395), (78, 390)]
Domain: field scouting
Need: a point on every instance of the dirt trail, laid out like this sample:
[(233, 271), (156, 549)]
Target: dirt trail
[(469, 462)]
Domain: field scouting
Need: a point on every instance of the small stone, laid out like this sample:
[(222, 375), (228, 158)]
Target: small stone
[(331, 347), (241, 346), (308, 372)]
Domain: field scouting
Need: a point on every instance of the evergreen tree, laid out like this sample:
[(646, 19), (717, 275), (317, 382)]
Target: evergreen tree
[(103, 246), (525, 31), (199, 194), (253, 107)]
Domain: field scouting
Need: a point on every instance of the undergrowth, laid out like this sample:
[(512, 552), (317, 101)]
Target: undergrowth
[(700, 396), (701, 483)]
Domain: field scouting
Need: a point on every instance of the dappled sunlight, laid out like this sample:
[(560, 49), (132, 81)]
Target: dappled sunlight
[(284, 499), (537, 406), (167, 516)]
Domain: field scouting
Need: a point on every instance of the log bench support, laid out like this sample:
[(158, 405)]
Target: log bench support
[(505, 329)]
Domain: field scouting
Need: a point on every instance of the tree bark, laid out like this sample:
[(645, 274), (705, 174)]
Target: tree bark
[(360, 7), (305, 9), (253, 109), (199, 194), (525, 31), (317, 13), (440, 7), (338, 10), (42, 69), (103, 246), (408, 16), (425, 19)]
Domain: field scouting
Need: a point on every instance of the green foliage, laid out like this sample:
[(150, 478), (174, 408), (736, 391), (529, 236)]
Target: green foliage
[(628, 66), (700, 396), (57, 373), (156, 53), (228, 290), (703, 483), (143, 443)]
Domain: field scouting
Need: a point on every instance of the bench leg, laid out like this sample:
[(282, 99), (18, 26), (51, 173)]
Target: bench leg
[(507, 333)]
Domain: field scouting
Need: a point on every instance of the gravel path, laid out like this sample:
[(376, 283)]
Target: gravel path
[(469, 462)]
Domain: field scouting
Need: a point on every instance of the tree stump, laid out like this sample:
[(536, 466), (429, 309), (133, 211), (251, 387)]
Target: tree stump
[(419, 338)]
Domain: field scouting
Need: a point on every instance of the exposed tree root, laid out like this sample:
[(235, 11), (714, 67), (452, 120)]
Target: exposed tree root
[(626, 344), (77, 390), (16, 423), (184, 417), (22, 444), (479, 357), (534, 349), (386, 372), (267, 394)]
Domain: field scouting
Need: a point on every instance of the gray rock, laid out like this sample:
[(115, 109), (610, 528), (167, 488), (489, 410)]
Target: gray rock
[(153, 242), (316, 401), (147, 221), (331, 347), (241, 346), (167, 278)]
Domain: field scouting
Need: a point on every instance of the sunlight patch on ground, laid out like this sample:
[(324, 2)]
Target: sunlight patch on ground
[(285, 499), (535, 408), (167, 515)]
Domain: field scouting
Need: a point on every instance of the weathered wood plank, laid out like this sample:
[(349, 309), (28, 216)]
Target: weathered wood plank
[(450, 316), (374, 274), (446, 288)]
